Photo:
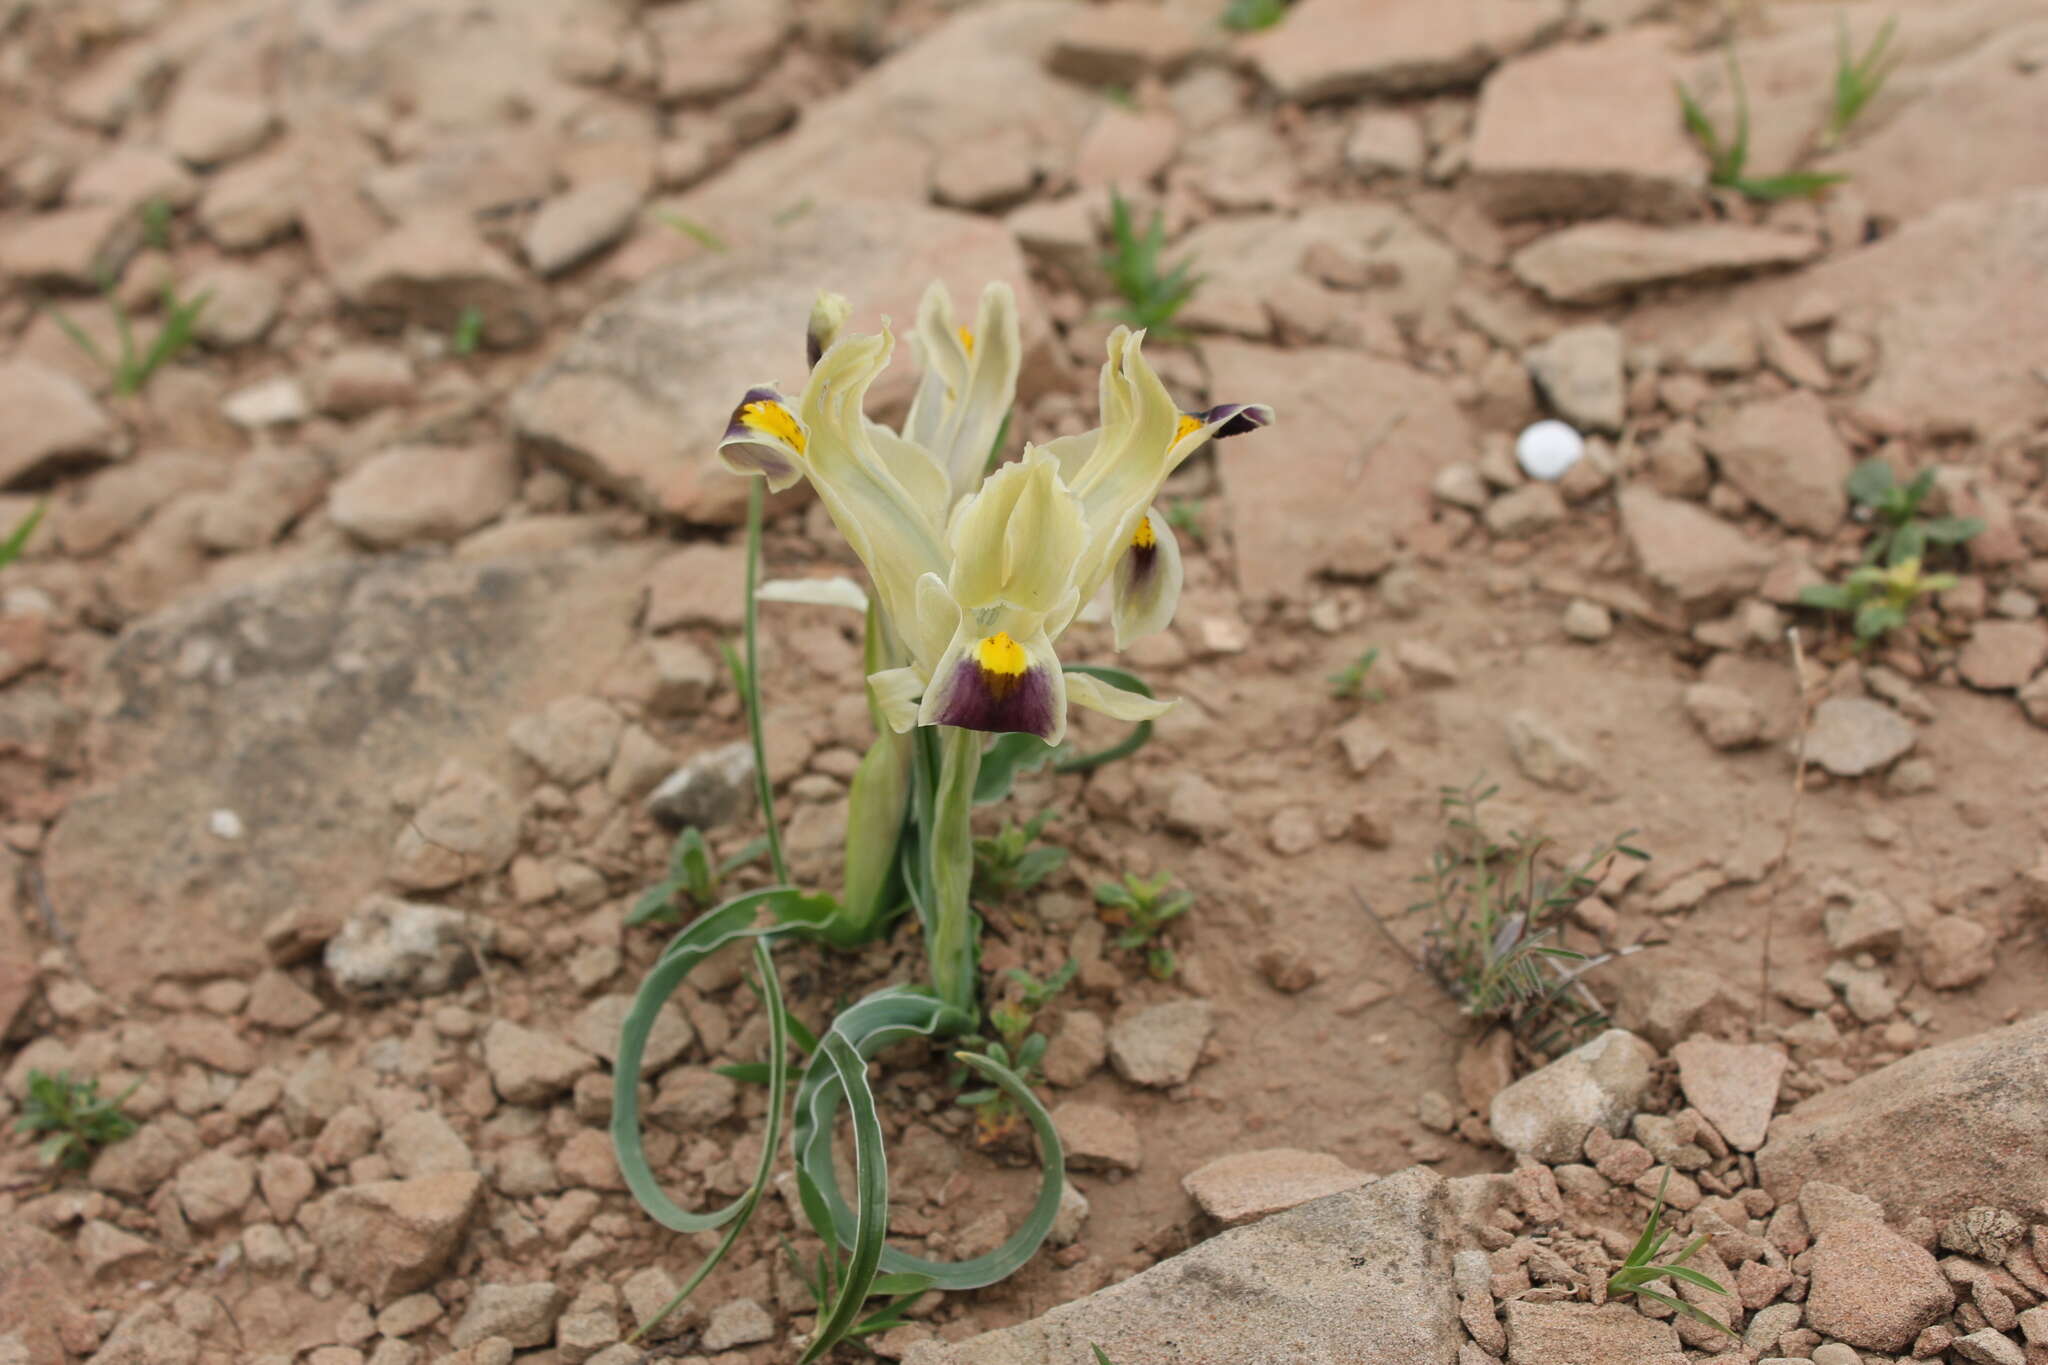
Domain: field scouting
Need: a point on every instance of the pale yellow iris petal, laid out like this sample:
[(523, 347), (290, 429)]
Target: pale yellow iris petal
[(969, 382), (1017, 540), (764, 436), (879, 517), (1145, 585), (999, 675), (896, 691), (1131, 459), (1085, 689)]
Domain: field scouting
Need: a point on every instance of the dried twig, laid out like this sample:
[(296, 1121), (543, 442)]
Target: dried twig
[(1792, 815)]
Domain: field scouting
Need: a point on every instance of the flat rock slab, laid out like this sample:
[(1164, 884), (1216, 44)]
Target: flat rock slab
[(977, 80), (1561, 132), (1936, 1133), (1243, 1186), (1687, 550), (637, 400), (1734, 1084), (1956, 303), (1594, 262), (1580, 1334), (1336, 49), (1358, 1278), (1337, 504), (297, 703), (1783, 454)]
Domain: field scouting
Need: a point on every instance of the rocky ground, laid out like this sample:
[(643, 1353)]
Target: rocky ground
[(341, 688)]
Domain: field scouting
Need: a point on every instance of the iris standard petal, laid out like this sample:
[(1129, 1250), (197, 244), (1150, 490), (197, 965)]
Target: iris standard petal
[(1131, 458), (896, 691), (1000, 683), (881, 519), (934, 621), (1018, 539), (764, 436), (969, 381), (943, 359), (1085, 689), (1144, 588)]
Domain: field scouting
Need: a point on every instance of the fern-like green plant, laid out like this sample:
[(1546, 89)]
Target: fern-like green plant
[(77, 1121)]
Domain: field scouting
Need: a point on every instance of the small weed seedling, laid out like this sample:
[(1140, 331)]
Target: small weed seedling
[(1728, 157), (132, 367), (1249, 16), (1877, 600), (1101, 1357), (1492, 943), (996, 1116), (692, 881), (1857, 79), (1348, 682), (17, 539), (1007, 864), (1150, 297), (156, 223), (77, 1120), (1899, 532), (469, 331), (1642, 1268), (1144, 908), (821, 1282)]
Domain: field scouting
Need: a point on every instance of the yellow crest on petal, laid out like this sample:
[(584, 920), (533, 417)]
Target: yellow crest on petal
[(772, 419), (1001, 657)]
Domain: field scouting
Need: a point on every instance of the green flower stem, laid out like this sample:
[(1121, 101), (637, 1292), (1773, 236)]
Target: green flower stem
[(757, 499), (951, 850)]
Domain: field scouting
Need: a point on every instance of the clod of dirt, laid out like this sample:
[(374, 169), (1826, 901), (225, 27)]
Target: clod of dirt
[(1851, 736), (1160, 1046), (391, 947), (708, 791), (389, 1238)]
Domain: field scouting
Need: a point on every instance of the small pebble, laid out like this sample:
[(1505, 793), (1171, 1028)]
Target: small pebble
[(1546, 449)]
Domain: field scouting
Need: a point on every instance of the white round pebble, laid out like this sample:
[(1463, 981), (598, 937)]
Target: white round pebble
[(1546, 449), (225, 824)]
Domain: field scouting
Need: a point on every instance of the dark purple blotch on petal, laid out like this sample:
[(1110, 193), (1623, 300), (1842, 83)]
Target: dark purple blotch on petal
[(1237, 418), (1144, 559), (998, 702)]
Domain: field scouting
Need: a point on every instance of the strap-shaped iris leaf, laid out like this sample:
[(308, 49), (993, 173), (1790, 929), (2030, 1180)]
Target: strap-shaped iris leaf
[(880, 1020)]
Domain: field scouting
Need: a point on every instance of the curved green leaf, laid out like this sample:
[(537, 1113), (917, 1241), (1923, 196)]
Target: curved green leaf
[(871, 1177), (887, 1017), (707, 934)]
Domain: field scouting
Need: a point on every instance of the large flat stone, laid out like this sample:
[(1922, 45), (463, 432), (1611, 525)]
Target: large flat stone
[(1934, 1134), (978, 79), (297, 704), (1561, 133), (1245, 259), (1337, 49), (1358, 1278), (637, 400), (1307, 496), (1594, 262)]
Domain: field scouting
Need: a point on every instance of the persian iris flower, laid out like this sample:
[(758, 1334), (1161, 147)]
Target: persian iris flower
[(978, 576)]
